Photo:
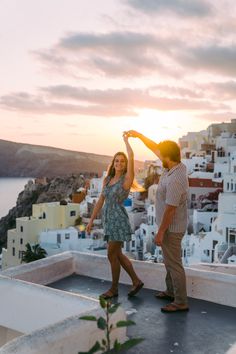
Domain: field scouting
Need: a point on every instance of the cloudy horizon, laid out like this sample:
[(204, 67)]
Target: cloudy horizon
[(75, 76)]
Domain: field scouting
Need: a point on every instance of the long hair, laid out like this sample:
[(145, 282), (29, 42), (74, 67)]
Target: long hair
[(135, 187)]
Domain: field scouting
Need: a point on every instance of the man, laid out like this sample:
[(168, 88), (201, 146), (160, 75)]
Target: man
[(171, 219)]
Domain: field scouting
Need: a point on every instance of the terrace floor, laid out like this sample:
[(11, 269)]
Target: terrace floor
[(208, 328)]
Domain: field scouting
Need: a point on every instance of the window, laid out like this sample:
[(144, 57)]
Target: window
[(133, 243), (72, 213), (227, 186), (21, 241), (58, 238), (193, 197), (21, 229), (13, 251), (67, 236), (214, 243), (21, 253), (232, 239)]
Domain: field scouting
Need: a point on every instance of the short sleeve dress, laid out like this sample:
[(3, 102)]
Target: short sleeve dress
[(115, 218)]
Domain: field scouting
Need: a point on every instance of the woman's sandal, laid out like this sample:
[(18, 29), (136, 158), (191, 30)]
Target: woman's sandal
[(109, 295), (136, 289), (174, 308), (163, 296)]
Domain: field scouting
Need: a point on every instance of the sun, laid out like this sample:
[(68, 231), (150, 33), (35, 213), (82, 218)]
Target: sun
[(159, 125), (153, 124)]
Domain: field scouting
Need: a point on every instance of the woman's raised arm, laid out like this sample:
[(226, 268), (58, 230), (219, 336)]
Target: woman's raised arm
[(129, 177)]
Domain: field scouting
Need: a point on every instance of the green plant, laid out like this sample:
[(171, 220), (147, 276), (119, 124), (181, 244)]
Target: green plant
[(78, 221), (105, 325), (33, 253)]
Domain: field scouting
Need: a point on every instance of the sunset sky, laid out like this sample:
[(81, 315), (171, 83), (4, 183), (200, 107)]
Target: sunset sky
[(76, 74)]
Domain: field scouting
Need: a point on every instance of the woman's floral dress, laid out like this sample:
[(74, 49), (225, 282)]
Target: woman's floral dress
[(115, 218)]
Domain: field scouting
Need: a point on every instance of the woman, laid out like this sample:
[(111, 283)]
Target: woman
[(116, 224)]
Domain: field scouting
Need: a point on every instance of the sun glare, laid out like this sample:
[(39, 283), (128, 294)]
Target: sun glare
[(158, 125)]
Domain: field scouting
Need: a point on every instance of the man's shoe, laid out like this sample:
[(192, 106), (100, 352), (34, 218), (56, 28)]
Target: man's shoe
[(170, 308)]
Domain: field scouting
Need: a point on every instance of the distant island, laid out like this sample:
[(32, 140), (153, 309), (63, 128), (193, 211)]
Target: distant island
[(26, 160)]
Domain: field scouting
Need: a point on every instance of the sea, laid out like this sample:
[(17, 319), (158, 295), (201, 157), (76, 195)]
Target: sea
[(9, 190)]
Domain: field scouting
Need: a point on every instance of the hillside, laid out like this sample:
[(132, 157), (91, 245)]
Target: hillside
[(25, 160)]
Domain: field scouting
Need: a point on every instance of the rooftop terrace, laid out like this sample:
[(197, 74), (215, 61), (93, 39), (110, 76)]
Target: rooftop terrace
[(206, 329), (74, 280)]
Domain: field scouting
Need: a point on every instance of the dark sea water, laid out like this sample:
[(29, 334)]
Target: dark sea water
[(9, 190)]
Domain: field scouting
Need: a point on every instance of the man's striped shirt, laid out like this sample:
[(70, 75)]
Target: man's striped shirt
[(173, 190)]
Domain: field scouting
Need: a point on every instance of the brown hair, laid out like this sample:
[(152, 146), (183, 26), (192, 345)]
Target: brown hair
[(171, 149), (111, 173), (111, 169)]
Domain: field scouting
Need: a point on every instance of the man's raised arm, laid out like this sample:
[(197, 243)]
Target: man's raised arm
[(150, 144)]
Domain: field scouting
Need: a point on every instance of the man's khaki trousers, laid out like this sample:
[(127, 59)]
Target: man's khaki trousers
[(175, 277)]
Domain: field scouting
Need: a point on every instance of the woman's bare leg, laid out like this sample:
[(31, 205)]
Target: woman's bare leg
[(113, 251), (128, 267)]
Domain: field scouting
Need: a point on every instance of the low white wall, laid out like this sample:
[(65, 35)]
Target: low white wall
[(201, 284), (216, 267), (43, 271), (210, 285), (25, 307), (66, 337)]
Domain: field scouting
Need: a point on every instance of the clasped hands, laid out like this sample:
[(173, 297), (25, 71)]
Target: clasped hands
[(131, 134)]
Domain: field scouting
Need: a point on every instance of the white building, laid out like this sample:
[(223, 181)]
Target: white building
[(225, 145), (96, 185), (215, 245), (70, 239), (152, 190), (195, 163), (136, 217), (201, 184), (192, 141), (202, 220)]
